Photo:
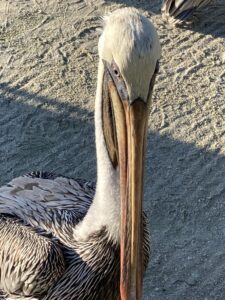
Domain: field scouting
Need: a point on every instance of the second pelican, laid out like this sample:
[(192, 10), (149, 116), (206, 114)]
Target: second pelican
[(180, 10)]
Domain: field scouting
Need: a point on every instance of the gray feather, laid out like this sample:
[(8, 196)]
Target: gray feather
[(181, 9)]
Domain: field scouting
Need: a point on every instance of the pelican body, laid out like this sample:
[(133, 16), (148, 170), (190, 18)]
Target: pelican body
[(68, 239), (181, 9)]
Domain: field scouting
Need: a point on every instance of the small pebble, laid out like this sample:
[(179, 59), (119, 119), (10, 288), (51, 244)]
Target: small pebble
[(222, 56)]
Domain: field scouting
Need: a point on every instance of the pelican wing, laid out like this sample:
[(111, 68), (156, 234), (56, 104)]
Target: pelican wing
[(30, 261), (36, 212), (48, 201), (181, 9)]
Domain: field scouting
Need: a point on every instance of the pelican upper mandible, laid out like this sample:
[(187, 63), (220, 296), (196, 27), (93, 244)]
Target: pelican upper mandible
[(66, 239), (181, 9)]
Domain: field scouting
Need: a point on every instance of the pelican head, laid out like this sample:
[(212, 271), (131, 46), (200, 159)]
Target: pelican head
[(129, 51)]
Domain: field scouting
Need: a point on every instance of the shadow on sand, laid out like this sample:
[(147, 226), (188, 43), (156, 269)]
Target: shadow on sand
[(41, 133)]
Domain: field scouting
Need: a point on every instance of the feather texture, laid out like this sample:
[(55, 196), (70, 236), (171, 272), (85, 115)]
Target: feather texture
[(30, 261), (40, 255), (181, 9)]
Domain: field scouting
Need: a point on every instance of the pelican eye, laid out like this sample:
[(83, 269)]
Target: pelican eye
[(115, 69), (117, 79), (116, 72)]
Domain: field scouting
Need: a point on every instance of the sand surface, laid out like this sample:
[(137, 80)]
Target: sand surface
[(48, 65)]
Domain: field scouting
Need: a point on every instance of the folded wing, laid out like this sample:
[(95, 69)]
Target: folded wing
[(181, 9)]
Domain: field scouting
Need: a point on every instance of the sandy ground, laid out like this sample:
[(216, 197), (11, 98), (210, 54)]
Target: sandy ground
[(48, 65)]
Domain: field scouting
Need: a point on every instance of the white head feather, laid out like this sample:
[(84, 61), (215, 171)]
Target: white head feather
[(132, 41)]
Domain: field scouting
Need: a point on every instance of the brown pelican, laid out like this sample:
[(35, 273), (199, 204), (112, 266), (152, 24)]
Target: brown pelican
[(181, 9), (62, 238)]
